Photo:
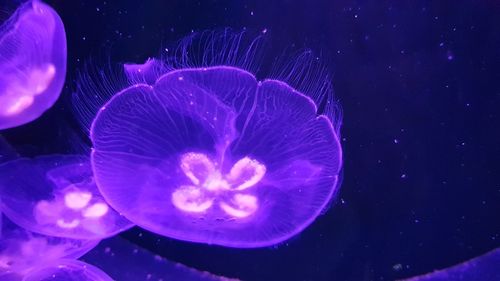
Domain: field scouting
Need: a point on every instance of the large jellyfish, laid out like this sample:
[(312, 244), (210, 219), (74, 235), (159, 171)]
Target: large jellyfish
[(32, 62), (56, 195), (67, 270), (21, 250), (201, 150)]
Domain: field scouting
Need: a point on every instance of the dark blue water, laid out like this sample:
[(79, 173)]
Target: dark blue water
[(419, 83)]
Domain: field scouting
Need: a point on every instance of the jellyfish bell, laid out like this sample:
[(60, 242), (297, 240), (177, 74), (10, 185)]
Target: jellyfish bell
[(22, 250), (209, 153), (33, 63), (56, 195), (67, 270)]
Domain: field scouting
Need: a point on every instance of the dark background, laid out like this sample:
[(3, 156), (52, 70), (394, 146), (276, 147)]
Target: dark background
[(419, 83)]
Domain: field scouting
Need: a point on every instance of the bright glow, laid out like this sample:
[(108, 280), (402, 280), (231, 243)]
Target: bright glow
[(20, 94), (77, 200), (18, 105), (197, 167), (191, 199), (210, 185), (41, 78), (216, 182), (245, 206), (247, 171), (96, 211), (72, 224)]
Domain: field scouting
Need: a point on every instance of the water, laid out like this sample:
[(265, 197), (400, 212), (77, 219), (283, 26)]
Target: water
[(418, 84)]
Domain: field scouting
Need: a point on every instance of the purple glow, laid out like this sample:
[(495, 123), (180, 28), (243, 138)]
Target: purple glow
[(210, 154), (482, 268), (56, 195), (67, 270), (21, 250), (33, 63)]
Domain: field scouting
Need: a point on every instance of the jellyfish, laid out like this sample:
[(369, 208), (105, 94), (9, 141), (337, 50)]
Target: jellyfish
[(67, 270), (32, 63), (207, 152), (56, 195), (21, 250)]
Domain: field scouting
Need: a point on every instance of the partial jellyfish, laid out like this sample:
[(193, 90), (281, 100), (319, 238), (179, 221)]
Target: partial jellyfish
[(114, 254), (21, 251), (56, 195), (483, 268), (32, 62), (206, 152), (67, 270)]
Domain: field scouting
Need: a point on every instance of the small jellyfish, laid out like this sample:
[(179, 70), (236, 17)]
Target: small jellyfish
[(209, 153), (56, 195), (67, 270), (22, 250), (32, 63)]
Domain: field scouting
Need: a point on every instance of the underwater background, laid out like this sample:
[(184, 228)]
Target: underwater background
[(419, 85)]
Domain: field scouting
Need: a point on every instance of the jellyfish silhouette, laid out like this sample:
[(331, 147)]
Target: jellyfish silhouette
[(196, 148), (67, 270), (32, 62), (21, 251), (56, 195)]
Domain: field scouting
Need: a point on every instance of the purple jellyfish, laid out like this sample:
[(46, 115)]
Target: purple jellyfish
[(56, 195), (206, 152), (32, 63), (67, 270), (21, 250)]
